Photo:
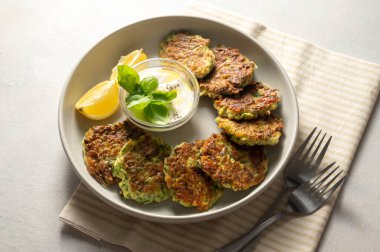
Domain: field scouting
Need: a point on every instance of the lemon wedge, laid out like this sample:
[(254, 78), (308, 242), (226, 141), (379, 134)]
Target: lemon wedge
[(131, 59), (102, 100), (99, 102)]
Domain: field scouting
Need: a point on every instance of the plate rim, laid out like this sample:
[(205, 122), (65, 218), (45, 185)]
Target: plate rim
[(201, 216)]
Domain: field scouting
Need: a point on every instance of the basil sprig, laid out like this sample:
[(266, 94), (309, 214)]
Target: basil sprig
[(143, 96)]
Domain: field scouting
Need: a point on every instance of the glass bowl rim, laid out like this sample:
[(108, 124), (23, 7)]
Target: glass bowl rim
[(172, 125)]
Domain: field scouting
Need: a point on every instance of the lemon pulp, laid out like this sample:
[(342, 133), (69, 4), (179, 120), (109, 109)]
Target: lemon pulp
[(99, 102)]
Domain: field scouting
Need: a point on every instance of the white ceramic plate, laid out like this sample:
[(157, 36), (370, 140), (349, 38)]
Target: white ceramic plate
[(95, 67)]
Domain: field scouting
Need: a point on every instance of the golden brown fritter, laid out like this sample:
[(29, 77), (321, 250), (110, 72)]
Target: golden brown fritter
[(101, 145), (191, 50), (187, 183), (232, 166), (231, 73), (260, 131), (256, 100), (140, 166)]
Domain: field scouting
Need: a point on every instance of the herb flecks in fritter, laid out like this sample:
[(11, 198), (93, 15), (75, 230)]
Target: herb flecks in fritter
[(232, 72), (232, 166), (191, 50), (102, 144), (260, 131), (187, 183), (255, 101), (140, 168)]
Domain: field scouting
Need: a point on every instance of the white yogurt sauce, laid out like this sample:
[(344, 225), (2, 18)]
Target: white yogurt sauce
[(171, 80)]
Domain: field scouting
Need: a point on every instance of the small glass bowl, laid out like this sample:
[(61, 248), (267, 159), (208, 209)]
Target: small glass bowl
[(185, 74)]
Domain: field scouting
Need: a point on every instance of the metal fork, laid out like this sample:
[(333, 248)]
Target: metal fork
[(303, 165), (305, 200)]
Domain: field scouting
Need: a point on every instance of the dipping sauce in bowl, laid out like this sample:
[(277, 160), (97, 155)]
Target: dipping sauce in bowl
[(171, 76)]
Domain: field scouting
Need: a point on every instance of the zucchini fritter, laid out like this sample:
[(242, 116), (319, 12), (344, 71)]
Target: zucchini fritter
[(102, 144), (140, 166), (191, 50), (256, 100), (231, 73), (187, 183), (232, 166), (260, 131)]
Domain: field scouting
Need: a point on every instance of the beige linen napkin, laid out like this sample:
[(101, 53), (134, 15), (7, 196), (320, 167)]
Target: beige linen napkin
[(335, 93)]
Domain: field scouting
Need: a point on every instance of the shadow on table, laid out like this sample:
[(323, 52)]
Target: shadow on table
[(339, 210)]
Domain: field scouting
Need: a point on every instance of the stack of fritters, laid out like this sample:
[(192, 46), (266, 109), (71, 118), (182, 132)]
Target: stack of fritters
[(188, 184), (220, 70), (245, 114), (226, 75), (248, 117), (102, 144), (123, 153), (194, 174)]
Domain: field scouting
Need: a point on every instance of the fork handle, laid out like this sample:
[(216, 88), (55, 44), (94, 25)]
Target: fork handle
[(274, 206), (242, 241), (251, 245)]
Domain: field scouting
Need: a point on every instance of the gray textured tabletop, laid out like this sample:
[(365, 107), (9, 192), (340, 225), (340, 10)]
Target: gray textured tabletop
[(41, 41)]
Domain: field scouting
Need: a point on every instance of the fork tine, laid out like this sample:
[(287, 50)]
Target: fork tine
[(315, 186), (304, 143), (329, 182), (323, 171), (332, 180), (311, 147), (317, 148), (330, 191), (323, 152)]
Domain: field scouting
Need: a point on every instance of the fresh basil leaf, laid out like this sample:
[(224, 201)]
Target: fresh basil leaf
[(139, 103), (156, 113), (128, 78), (149, 84), (131, 98), (160, 102), (163, 95), (160, 111)]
